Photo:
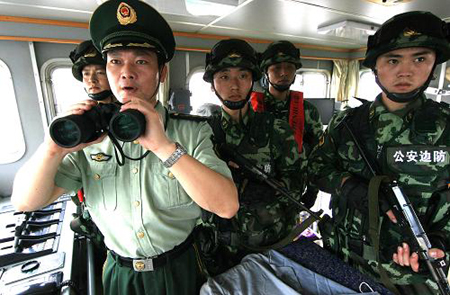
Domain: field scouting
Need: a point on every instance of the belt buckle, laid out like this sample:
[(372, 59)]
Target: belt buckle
[(141, 265)]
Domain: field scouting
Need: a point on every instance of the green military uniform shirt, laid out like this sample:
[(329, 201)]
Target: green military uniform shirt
[(410, 145), (140, 207)]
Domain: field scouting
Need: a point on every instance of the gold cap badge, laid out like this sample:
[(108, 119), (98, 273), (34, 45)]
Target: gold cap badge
[(234, 55), (409, 33), (126, 14), (90, 53)]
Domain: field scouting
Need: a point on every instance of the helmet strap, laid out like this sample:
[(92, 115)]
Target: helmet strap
[(234, 105), (405, 97), (280, 87), (101, 95)]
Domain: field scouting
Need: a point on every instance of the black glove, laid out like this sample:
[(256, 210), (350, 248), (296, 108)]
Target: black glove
[(437, 240), (355, 190), (309, 197)]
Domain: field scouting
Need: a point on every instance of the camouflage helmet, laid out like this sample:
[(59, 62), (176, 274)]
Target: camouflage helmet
[(410, 29), (280, 51), (231, 53), (84, 54)]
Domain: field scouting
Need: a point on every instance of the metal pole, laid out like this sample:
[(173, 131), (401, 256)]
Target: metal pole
[(90, 266)]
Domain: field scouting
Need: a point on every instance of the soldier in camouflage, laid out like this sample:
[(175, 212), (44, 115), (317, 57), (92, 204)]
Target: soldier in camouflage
[(279, 63), (407, 137), (89, 67), (265, 219)]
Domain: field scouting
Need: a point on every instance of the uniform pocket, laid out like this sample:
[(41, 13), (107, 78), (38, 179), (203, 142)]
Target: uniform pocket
[(102, 185), (170, 192)]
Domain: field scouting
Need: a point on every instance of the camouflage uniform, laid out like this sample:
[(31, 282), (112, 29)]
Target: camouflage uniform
[(410, 145), (284, 51), (264, 217), (402, 149), (313, 123)]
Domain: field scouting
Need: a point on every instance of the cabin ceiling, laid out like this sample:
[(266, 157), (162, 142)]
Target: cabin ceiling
[(293, 20)]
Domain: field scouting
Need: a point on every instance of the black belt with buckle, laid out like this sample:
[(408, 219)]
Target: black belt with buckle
[(150, 264)]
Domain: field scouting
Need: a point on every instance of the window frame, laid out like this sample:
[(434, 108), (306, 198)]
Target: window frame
[(15, 107), (192, 72), (327, 75), (47, 85), (361, 73)]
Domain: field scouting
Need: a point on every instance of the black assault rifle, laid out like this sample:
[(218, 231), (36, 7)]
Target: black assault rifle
[(407, 218), (242, 162)]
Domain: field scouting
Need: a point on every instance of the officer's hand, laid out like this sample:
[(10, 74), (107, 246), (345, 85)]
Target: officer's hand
[(80, 107), (233, 164), (75, 109), (403, 256), (154, 137)]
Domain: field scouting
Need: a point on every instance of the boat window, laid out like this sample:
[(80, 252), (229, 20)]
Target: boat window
[(367, 88), (60, 87), (67, 90), (201, 92), (313, 83), (11, 133)]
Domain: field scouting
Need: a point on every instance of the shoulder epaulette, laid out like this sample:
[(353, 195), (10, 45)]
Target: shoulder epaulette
[(189, 117), (353, 114), (341, 116), (445, 106)]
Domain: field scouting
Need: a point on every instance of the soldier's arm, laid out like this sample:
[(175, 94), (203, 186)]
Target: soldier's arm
[(325, 167), (313, 125), (34, 185)]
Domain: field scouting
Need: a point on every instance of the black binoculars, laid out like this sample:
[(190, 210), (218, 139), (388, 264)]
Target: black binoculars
[(73, 130)]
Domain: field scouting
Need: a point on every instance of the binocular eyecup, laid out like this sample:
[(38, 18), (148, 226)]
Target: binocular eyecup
[(73, 130)]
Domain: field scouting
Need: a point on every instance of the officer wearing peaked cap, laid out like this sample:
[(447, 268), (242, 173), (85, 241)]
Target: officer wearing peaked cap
[(131, 24), (406, 137), (148, 206), (89, 67)]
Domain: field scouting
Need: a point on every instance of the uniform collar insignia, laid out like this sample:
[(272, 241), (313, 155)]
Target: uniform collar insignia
[(100, 157), (234, 55), (321, 140), (126, 14), (409, 33)]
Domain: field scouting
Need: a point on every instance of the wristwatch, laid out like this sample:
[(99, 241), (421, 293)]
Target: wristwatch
[(175, 156)]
